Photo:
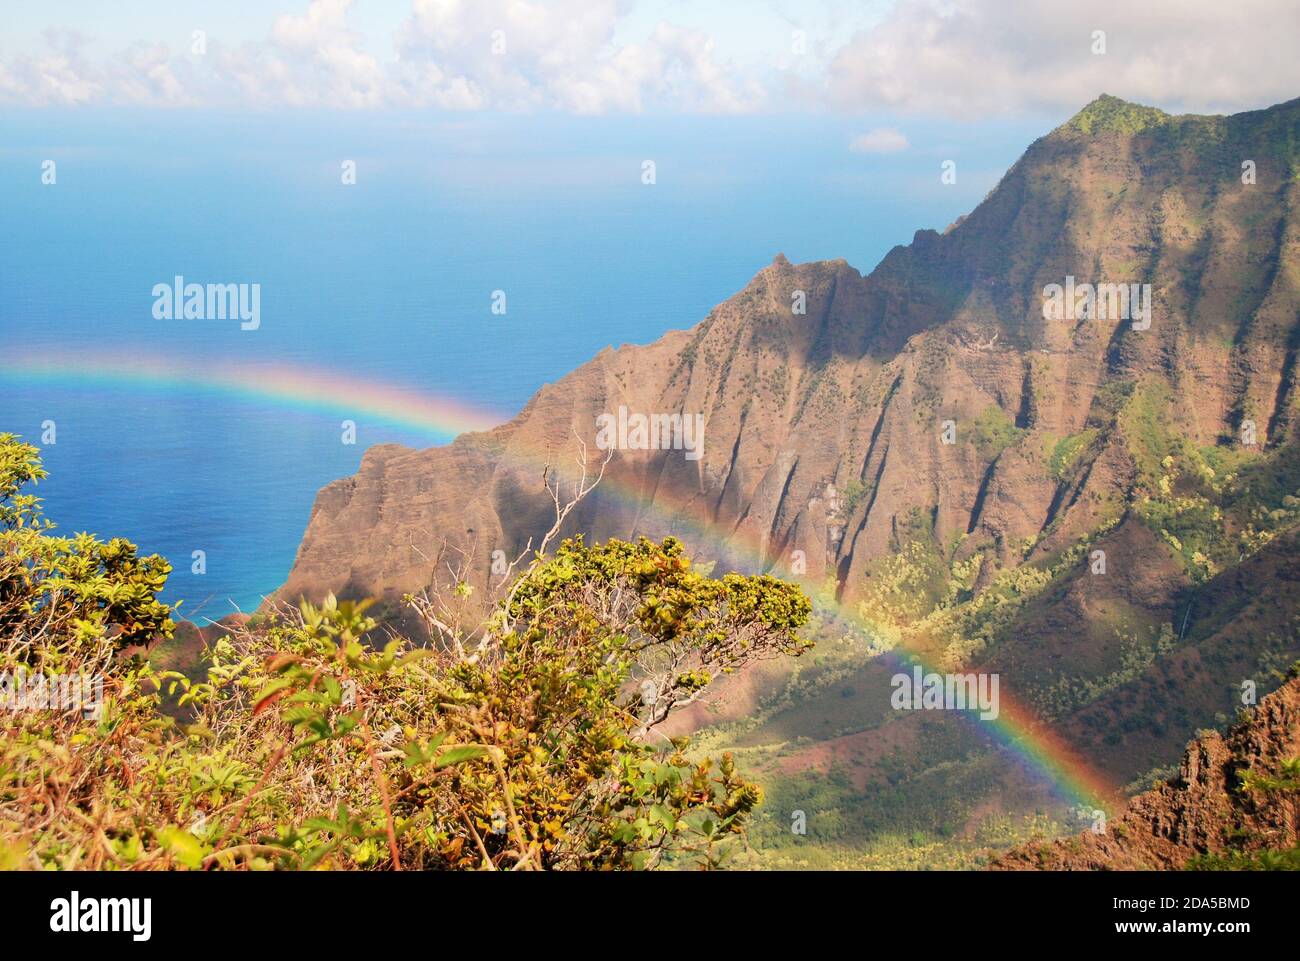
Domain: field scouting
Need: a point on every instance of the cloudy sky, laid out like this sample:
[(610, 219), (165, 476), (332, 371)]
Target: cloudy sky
[(950, 58)]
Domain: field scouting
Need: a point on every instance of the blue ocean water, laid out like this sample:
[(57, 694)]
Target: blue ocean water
[(389, 280)]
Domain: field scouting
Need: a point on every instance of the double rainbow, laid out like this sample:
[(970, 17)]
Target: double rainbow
[(320, 391)]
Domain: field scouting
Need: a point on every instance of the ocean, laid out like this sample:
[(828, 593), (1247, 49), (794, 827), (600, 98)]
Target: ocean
[(376, 297)]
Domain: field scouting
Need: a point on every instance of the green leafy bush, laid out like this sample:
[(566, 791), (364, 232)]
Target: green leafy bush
[(305, 745)]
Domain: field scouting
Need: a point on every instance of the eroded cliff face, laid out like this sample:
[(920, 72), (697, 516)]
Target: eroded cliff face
[(930, 412), (824, 430)]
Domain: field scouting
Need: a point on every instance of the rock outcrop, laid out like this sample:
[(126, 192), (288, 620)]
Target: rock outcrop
[(1202, 811)]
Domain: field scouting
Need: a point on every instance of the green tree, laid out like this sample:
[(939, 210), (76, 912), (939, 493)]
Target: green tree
[(305, 745)]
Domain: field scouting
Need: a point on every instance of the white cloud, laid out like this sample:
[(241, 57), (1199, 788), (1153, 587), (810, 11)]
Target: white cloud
[(449, 54), (311, 60), (323, 24), (145, 74), (970, 58), (963, 58), (62, 75), (879, 140), (59, 75), (517, 54)]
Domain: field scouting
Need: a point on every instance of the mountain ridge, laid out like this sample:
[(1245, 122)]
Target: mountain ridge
[(826, 332), (825, 456)]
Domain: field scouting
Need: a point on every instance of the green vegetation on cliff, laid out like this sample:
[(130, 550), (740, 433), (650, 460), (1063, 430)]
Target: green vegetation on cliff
[(1112, 113)]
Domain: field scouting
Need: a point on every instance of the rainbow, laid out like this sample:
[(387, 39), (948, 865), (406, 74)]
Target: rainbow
[(316, 390), (1017, 727), (307, 389)]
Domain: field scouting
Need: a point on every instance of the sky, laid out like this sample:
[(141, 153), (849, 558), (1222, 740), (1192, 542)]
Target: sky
[(968, 59)]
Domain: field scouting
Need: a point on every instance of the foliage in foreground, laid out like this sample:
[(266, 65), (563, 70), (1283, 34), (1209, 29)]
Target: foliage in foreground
[(306, 745), (1284, 786)]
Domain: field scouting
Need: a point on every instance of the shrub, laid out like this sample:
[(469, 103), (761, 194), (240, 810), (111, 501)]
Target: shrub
[(306, 745)]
